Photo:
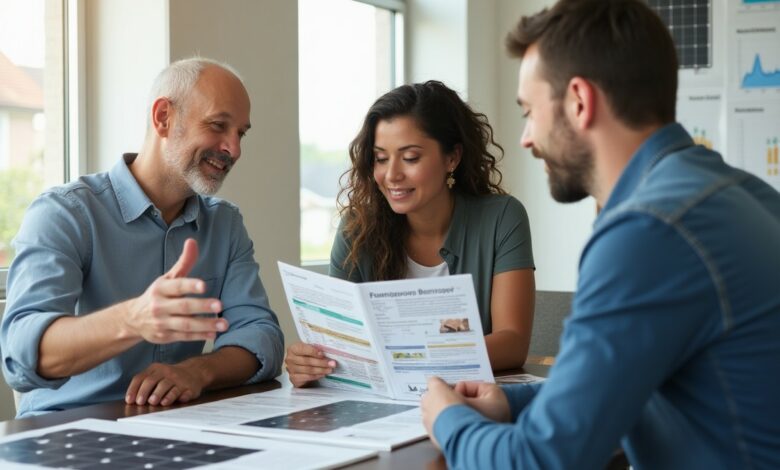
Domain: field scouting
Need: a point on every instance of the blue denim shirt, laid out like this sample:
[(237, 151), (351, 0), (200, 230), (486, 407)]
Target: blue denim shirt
[(672, 349), (92, 243)]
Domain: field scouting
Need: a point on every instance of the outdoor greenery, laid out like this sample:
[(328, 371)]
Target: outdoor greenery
[(18, 187)]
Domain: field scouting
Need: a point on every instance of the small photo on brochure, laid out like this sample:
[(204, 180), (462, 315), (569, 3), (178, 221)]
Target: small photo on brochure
[(454, 325), (403, 355)]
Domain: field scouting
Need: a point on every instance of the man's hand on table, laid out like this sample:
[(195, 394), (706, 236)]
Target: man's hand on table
[(165, 384)]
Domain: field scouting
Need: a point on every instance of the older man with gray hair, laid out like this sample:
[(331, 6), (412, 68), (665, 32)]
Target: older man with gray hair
[(120, 277)]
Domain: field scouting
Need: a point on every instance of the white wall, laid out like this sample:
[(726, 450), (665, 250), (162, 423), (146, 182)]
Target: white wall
[(437, 41), (559, 231), (126, 46)]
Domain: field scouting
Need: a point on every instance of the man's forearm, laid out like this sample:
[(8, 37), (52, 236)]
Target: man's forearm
[(72, 345), (229, 366)]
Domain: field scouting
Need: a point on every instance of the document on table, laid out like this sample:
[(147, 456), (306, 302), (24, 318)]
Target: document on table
[(389, 337), (519, 379), (93, 443), (319, 415)]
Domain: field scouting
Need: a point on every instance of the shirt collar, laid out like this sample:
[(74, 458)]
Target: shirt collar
[(133, 201), (191, 211), (666, 140)]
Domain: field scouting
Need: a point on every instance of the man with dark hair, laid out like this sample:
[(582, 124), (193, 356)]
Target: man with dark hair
[(671, 349)]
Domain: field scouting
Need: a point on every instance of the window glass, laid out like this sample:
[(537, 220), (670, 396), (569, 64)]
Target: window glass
[(32, 155), (347, 58)]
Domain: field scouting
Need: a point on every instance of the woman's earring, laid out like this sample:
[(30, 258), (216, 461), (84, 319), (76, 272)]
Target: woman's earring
[(451, 180)]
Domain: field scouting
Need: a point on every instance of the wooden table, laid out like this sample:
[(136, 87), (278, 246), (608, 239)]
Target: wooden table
[(420, 454)]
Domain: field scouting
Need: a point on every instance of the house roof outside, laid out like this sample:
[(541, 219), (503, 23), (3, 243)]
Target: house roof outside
[(17, 88)]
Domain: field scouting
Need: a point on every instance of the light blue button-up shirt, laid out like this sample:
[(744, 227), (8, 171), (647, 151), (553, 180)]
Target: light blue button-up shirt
[(672, 349), (92, 243)]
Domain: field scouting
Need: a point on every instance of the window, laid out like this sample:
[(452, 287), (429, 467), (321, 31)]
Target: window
[(33, 144), (350, 53)]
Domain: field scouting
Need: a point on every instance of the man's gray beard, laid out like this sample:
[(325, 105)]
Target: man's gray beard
[(199, 183)]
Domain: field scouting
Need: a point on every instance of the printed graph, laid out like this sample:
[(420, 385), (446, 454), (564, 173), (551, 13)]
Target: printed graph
[(700, 137), (772, 162), (690, 23), (700, 112), (758, 62), (757, 6), (759, 146), (759, 77)]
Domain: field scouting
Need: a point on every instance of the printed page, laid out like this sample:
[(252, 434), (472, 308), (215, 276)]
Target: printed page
[(428, 327), (319, 415), (93, 443), (328, 314)]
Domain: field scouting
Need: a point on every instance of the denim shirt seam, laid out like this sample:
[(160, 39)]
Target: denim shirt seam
[(707, 192), (694, 243)]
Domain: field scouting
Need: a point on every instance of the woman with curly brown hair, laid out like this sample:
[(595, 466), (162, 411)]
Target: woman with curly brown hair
[(424, 199)]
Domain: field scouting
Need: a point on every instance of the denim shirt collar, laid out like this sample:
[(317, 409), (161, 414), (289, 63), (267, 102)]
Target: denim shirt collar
[(133, 201), (668, 139)]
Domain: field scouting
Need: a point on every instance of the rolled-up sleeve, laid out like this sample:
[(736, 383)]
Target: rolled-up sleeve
[(253, 325), (44, 283)]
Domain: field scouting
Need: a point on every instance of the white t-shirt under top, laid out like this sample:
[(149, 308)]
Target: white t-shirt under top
[(415, 270)]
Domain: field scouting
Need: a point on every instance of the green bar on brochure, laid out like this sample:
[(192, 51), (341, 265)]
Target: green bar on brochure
[(323, 311), (348, 381)]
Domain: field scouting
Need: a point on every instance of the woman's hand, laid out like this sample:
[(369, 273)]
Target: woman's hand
[(305, 364)]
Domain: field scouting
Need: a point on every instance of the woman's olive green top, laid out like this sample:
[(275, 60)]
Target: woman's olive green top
[(488, 235)]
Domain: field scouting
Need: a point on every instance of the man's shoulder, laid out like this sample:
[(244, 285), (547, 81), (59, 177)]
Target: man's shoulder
[(80, 190), (680, 183), (217, 204), (219, 214)]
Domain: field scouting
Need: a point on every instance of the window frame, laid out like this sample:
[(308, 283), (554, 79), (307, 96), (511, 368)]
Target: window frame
[(398, 54)]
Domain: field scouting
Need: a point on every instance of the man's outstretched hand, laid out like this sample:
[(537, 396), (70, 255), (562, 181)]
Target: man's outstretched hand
[(163, 314)]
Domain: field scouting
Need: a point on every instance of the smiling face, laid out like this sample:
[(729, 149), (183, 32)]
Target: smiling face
[(410, 168), (205, 139), (548, 133)]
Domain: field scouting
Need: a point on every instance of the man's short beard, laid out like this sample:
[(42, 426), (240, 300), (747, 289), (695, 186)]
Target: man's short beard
[(571, 176)]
